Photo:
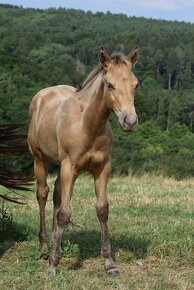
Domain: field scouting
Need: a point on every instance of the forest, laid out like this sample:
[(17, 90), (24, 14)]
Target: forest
[(42, 48)]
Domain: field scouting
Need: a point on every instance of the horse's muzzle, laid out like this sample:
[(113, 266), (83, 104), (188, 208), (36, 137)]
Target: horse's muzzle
[(127, 121)]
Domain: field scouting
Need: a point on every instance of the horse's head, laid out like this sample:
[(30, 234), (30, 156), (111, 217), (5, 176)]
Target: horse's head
[(120, 84)]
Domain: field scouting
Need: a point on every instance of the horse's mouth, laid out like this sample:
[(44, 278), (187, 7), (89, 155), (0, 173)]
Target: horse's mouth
[(127, 128)]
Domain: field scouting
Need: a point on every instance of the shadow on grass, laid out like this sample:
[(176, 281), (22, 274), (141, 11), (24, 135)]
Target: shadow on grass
[(89, 243), (10, 233)]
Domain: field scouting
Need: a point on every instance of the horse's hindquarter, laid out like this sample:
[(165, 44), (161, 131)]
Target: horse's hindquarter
[(44, 113)]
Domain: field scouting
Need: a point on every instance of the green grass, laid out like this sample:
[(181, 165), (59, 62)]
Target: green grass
[(151, 225)]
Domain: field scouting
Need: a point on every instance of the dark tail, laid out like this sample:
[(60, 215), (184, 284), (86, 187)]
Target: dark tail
[(12, 142)]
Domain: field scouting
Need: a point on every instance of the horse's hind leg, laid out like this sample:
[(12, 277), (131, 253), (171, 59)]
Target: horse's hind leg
[(56, 199), (40, 169)]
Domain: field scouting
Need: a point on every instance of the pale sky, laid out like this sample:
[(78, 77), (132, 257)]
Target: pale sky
[(181, 10)]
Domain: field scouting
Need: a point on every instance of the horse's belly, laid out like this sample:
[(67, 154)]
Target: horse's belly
[(47, 144), (50, 151)]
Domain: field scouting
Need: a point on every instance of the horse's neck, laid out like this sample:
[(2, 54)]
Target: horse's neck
[(95, 114)]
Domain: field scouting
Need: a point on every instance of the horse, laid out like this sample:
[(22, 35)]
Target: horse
[(69, 127)]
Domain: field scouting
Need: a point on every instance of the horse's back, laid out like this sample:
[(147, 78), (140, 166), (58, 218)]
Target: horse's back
[(48, 97), (44, 112)]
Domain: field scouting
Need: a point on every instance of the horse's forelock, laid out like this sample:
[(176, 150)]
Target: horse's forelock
[(118, 58)]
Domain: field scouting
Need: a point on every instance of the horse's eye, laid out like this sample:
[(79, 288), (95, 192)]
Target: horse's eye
[(110, 86)]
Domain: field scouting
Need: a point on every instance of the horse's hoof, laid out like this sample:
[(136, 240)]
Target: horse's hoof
[(51, 271), (44, 248), (113, 272)]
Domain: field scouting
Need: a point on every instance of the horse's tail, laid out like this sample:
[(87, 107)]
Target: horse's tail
[(12, 142)]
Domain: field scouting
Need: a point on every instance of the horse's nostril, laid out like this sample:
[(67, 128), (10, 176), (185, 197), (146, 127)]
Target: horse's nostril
[(125, 119), (130, 120)]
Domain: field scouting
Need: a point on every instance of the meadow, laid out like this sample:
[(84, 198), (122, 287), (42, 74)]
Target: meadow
[(151, 224)]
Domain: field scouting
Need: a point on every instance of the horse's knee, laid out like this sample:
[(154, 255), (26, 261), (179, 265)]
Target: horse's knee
[(63, 216), (102, 211), (42, 192)]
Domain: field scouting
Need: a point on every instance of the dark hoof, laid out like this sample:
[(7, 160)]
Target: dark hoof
[(44, 249), (113, 272), (51, 271)]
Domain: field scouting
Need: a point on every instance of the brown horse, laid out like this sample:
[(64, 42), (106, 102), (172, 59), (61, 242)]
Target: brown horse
[(70, 127)]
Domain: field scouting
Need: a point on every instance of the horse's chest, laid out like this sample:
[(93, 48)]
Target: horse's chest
[(90, 160), (89, 154)]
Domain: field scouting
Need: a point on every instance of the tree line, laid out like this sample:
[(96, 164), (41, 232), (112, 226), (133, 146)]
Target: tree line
[(41, 48)]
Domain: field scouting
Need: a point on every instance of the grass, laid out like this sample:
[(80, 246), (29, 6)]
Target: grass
[(151, 225)]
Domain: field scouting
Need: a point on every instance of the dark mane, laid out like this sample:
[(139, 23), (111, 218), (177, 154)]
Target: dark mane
[(117, 58), (92, 76)]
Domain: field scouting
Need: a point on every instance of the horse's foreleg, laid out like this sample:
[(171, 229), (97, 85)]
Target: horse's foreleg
[(102, 207), (40, 170), (63, 214)]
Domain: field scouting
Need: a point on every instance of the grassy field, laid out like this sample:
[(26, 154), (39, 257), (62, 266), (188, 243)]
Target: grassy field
[(151, 225)]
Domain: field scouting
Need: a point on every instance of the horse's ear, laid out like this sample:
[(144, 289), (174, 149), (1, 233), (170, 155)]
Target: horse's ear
[(104, 58), (133, 56)]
